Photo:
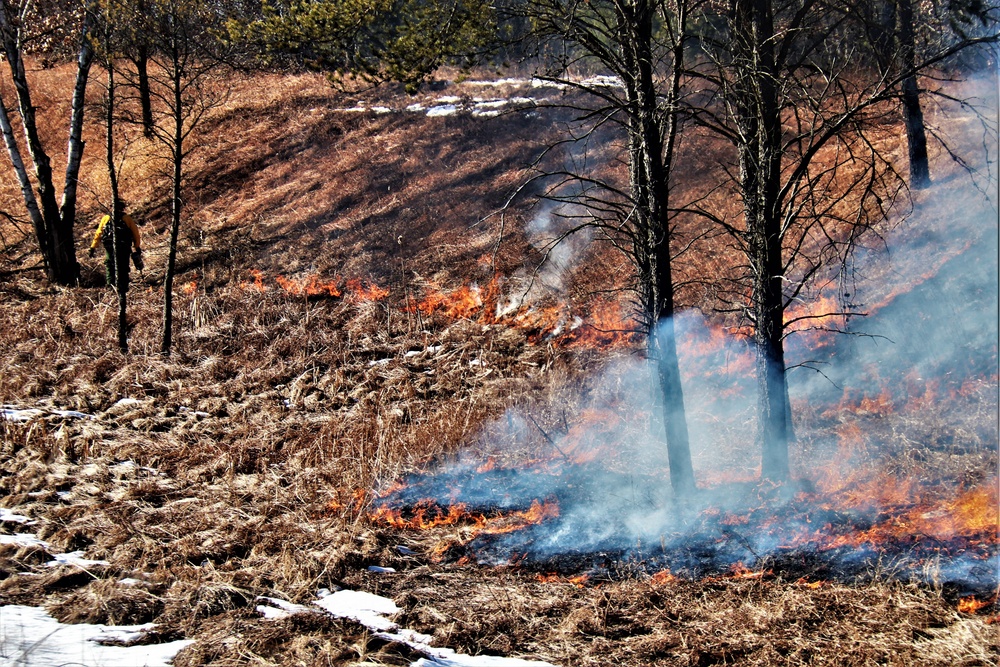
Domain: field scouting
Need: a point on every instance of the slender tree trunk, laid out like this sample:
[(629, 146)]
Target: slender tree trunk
[(175, 209), (61, 264), (76, 144), (756, 103), (145, 99), (118, 244), (27, 192), (913, 116), (650, 189)]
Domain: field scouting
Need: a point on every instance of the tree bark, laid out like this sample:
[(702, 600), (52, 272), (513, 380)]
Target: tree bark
[(175, 208), (27, 192), (758, 120), (145, 100), (56, 231), (117, 211), (913, 116), (649, 171), (76, 144)]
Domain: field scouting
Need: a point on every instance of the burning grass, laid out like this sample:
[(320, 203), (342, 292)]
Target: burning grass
[(337, 334)]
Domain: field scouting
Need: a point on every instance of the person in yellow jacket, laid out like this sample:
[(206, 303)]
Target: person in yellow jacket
[(126, 233)]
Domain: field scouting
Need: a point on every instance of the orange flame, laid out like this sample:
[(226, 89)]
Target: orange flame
[(428, 515), (553, 578), (462, 303), (971, 605), (190, 288), (258, 282), (361, 291), (664, 577), (308, 286)]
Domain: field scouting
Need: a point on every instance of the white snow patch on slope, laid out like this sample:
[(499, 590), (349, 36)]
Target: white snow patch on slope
[(275, 608), (371, 610), (74, 558), (29, 637), (366, 608), (442, 110), (13, 517), (24, 540), (13, 413)]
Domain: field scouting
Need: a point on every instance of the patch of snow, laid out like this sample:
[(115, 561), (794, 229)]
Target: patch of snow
[(123, 634), (602, 81), (449, 99), (416, 107), (367, 609), (128, 401), (442, 110), (355, 109), (379, 362), (542, 83), (477, 362), (406, 551), (130, 581), (64, 494), (7, 515), (74, 558), (500, 82), (276, 609), (14, 414), (378, 569), (370, 610), (73, 414), (381, 109), (23, 540), (30, 637)]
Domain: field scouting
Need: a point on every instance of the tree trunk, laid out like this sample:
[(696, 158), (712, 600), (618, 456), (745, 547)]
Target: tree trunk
[(76, 143), (756, 103), (649, 171), (175, 209), (118, 245), (27, 192), (145, 99), (60, 259), (913, 117)]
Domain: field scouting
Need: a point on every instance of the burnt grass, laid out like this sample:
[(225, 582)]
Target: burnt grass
[(253, 460)]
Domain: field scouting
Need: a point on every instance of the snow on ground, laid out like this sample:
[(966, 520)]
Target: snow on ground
[(23, 540), (7, 515), (74, 558), (30, 637), (371, 610), (15, 414)]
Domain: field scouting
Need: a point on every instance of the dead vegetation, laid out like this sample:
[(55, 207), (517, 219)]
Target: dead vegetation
[(242, 466)]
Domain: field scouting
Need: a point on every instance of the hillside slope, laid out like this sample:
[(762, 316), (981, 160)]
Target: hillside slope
[(337, 328)]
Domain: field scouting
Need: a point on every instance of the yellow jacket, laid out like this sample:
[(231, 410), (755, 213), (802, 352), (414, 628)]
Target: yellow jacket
[(129, 222)]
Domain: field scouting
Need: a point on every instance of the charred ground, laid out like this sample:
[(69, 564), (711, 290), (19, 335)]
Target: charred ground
[(255, 450)]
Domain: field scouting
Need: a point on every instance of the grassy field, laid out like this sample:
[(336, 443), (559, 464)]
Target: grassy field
[(336, 330)]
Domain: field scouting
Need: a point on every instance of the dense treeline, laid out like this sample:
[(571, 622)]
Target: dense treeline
[(798, 90)]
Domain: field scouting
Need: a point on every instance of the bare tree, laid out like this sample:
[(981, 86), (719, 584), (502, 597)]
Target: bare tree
[(53, 222), (640, 43), (804, 119), (184, 54)]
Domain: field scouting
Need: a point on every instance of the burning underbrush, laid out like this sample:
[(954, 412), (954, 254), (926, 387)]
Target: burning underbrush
[(340, 330), (581, 519)]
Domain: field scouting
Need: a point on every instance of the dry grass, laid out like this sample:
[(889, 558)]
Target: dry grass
[(233, 473)]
